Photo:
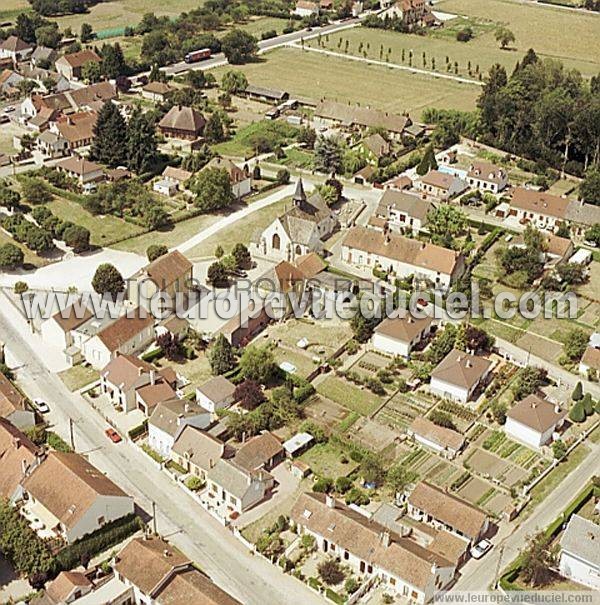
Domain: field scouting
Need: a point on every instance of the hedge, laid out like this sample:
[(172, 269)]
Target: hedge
[(57, 443), (334, 596), (138, 430), (102, 539), (152, 355)]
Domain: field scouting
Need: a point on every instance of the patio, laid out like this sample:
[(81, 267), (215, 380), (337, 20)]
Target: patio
[(124, 422), (39, 519)]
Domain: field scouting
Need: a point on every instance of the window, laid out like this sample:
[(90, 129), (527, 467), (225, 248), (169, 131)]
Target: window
[(298, 250), (101, 520), (276, 243)]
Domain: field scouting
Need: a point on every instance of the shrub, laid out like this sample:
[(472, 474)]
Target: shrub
[(56, 443), (330, 572), (351, 585), (588, 404), (357, 496), (342, 484), (577, 413), (138, 430), (322, 485), (308, 542), (194, 483), (577, 392)]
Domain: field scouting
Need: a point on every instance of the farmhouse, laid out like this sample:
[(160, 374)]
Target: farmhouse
[(403, 565), (86, 172), (579, 552), (404, 211), (241, 183), (156, 91), (306, 8), (14, 48), (182, 123), (18, 456), (177, 176), (441, 509), (300, 230), (413, 13), (197, 451), (534, 421), (398, 335), (67, 587), (157, 573), (215, 394), (70, 66), (403, 256), (76, 128), (72, 498), (437, 185), (442, 440), (13, 405), (487, 177), (52, 145), (539, 208), (459, 375)]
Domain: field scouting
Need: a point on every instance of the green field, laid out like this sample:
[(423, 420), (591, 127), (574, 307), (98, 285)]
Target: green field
[(9, 9), (572, 37), (353, 398), (315, 76)]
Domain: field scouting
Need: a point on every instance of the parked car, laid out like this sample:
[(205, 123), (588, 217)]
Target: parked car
[(113, 435), (40, 405), (480, 549), (9, 108)]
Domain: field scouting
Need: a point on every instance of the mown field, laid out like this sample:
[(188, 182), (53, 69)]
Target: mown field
[(316, 76)]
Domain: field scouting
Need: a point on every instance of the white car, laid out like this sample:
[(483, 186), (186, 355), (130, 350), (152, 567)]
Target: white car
[(41, 406), (480, 549)]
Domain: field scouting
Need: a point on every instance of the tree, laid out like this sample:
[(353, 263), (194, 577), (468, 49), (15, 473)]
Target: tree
[(528, 381), (588, 404), (77, 237), (473, 339), (331, 572), (249, 394), (239, 47), (92, 72), (428, 161), (113, 61), (241, 255), (283, 176), (234, 81), (538, 559), (220, 356), (20, 287), (398, 477), (577, 412), (11, 257), (577, 394), (9, 198), (328, 193), (213, 129), (155, 251), (26, 87), (258, 363), (142, 149), (445, 223), (48, 35), (36, 191), (343, 484), (307, 136), (589, 190), (108, 280), (219, 252), (109, 132), (213, 189), (442, 419), (171, 346), (591, 235), (559, 449), (328, 154), (371, 469), (196, 79), (362, 327), (86, 33), (575, 343), (217, 275), (504, 36)]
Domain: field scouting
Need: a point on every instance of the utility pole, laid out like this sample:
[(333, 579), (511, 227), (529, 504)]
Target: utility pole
[(154, 518), (498, 567), (71, 434)]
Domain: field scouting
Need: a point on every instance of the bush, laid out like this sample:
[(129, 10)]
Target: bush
[(56, 443), (322, 485), (194, 483), (577, 413), (357, 496), (331, 572), (588, 404), (342, 484), (351, 585), (139, 430)]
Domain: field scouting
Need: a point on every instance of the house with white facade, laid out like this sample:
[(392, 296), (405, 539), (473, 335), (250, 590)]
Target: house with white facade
[(442, 440), (302, 229), (579, 552), (438, 185), (14, 48), (534, 421), (443, 510), (71, 497), (405, 567), (459, 375), (58, 329), (88, 174), (539, 208), (160, 574), (240, 179), (404, 211), (215, 394), (306, 8), (487, 177), (168, 420), (398, 335), (433, 265)]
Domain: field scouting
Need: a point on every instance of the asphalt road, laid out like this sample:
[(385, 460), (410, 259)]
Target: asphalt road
[(264, 45), (179, 518)]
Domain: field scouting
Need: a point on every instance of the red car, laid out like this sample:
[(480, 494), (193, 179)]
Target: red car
[(113, 435)]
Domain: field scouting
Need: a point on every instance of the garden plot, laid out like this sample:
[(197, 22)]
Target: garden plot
[(443, 473), (356, 399), (403, 408), (370, 363), (325, 412), (498, 503), (474, 490), (328, 460), (419, 461), (489, 465), (373, 435), (462, 417)]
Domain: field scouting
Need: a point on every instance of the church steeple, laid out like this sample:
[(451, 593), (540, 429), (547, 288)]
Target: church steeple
[(299, 196)]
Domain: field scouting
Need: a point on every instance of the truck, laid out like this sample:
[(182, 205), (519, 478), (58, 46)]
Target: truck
[(197, 55)]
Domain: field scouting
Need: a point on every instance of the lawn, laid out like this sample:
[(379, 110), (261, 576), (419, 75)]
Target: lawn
[(7, 132), (323, 336), (552, 32), (104, 229), (316, 76), (327, 460), (31, 258), (242, 144), (355, 399), (11, 8), (197, 370), (180, 232), (243, 231), (78, 377)]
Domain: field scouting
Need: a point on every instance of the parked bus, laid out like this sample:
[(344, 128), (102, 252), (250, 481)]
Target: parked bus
[(197, 55)]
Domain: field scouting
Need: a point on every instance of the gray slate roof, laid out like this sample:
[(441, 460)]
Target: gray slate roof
[(582, 539)]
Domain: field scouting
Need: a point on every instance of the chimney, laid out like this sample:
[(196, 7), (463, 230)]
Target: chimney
[(329, 501), (423, 245), (152, 376), (469, 363), (24, 467), (385, 538), (556, 409), (140, 371), (17, 443), (179, 419), (186, 408), (166, 553), (211, 463)]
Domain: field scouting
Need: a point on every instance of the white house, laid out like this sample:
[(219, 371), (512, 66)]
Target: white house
[(241, 182), (579, 552), (129, 334), (404, 211), (215, 394), (300, 230), (442, 440), (487, 177), (590, 361), (539, 208), (534, 421), (437, 185), (405, 567), (14, 48), (198, 451), (392, 252), (306, 8), (87, 173), (459, 375), (165, 187), (72, 498), (398, 336), (52, 144), (168, 420)]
